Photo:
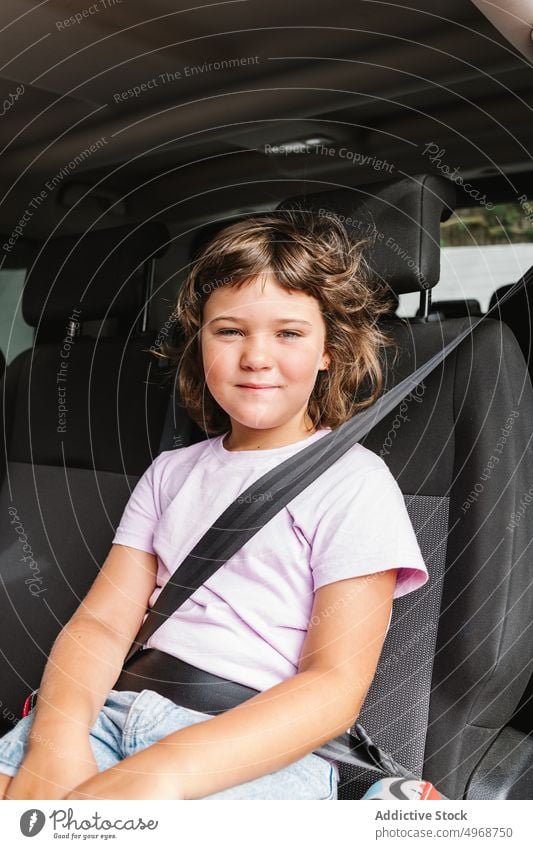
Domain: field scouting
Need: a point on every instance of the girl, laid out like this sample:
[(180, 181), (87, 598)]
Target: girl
[(279, 347)]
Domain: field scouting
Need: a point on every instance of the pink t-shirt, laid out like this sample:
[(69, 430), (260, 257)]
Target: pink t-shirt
[(248, 622)]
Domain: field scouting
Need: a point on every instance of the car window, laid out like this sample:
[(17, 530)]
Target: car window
[(15, 334), (482, 250)]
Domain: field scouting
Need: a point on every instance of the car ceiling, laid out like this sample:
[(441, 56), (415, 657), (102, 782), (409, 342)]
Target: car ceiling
[(382, 79)]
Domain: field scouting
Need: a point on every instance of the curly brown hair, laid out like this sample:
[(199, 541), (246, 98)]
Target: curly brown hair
[(307, 252)]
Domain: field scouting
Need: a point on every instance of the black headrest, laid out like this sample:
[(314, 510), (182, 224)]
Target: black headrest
[(205, 233), (401, 218), (99, 272)]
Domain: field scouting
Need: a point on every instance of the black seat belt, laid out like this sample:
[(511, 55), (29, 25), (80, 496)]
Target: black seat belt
[(249, 513)]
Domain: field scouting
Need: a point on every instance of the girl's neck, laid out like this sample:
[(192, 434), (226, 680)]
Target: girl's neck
[(258, 443)]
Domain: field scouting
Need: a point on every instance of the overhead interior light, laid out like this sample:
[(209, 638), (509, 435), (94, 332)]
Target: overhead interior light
[(297, 145)]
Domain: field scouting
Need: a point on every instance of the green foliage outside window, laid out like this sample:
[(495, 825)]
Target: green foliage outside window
[(507, 222)]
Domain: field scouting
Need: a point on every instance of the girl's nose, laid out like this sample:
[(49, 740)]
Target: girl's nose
[(256, 351)]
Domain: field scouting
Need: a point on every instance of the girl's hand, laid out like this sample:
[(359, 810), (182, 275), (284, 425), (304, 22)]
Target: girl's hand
[(135, 777), (43, 775)]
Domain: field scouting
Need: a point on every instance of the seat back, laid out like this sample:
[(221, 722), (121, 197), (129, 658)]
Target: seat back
[(517, 313), (455, 308), (77, 437)]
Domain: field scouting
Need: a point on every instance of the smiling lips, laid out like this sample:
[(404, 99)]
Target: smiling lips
[(255, 387)]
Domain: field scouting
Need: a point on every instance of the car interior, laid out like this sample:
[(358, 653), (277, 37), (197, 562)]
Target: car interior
[(130, 135)]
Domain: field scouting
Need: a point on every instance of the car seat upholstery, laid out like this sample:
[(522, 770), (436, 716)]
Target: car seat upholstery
[(456, 308), (517, 313), (76, 437)]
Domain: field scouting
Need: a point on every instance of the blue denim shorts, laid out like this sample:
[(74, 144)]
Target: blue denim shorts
[(129, 722)]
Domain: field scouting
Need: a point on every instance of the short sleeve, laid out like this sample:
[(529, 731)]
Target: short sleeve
[(363, 527), (141, 515)]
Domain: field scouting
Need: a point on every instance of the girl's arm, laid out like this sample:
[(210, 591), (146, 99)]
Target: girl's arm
[(87, 657), (82, 668), (340, 654)]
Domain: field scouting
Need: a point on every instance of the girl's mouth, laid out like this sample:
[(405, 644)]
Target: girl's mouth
[(257, 388)]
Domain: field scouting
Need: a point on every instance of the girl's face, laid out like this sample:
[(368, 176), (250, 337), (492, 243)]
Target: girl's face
[(263, 334)]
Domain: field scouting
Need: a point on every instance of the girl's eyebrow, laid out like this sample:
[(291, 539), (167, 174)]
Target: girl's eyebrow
[(275, 321)]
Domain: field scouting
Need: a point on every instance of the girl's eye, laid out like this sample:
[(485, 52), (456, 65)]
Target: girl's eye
[(226, 330)]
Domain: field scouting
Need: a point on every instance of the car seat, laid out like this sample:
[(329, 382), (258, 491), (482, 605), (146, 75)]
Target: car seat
[(517, 313), (455, 308), (76, 437)]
